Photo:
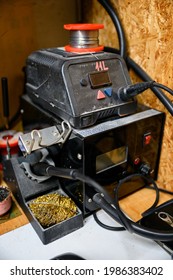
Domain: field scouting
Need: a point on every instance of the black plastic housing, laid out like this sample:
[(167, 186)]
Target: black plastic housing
[(80, 88), (25, 190), (112, 150), (82, 150)]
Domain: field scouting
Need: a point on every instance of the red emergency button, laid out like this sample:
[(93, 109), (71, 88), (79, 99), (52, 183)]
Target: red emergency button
[(147, 139)]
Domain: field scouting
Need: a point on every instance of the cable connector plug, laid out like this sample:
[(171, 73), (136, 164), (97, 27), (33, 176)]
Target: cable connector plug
[(126, 93)]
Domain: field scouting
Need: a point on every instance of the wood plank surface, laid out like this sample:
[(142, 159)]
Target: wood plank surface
[(9, 224), (135, 204)]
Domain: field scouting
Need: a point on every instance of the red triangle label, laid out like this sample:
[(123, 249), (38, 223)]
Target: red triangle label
[(100, 95)]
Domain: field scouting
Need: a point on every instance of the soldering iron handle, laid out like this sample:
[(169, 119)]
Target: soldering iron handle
[(44, 169)]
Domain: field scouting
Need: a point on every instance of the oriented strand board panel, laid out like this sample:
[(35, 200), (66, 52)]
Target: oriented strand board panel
[(148, 26), (26, 26)]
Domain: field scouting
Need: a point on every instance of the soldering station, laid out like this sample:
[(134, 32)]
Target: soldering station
[(87, 141)]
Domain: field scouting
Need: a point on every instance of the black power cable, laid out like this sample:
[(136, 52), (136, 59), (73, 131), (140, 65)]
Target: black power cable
[(126, 93), (101, 198), (106, 226), (115, 19), (145, 77), (129, 61)]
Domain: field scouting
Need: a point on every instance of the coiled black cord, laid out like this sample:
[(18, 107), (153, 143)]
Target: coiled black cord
[(106, 226), (102, 198)]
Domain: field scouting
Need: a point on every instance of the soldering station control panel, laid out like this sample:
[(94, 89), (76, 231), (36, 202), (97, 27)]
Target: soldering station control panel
[(81, 88)]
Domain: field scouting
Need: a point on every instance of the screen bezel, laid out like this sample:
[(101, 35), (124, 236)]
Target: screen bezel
[(117, 158), (99, 79)]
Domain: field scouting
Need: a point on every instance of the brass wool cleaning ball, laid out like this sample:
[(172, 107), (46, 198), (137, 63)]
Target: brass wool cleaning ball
[(52, 208)]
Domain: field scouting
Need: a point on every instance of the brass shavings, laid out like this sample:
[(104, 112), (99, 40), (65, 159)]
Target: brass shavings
[(52, 208)]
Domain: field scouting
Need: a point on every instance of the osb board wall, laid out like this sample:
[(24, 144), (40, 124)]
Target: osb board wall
[(26, 26), (148, 26)]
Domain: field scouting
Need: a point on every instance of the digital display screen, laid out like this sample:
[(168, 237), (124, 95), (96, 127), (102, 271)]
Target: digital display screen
[(99, 79), (111, 158)]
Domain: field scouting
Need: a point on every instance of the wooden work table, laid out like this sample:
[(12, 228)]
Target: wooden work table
[(138, 202), (13, 220)]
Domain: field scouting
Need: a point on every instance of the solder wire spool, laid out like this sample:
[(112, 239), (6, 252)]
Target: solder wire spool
[(5, 200), (8, 145), (84, 37)]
